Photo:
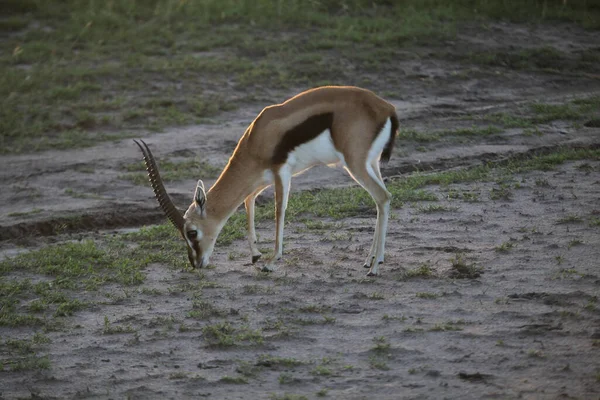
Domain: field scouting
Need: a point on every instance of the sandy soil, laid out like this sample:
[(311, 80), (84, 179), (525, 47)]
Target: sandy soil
[(526, 327)]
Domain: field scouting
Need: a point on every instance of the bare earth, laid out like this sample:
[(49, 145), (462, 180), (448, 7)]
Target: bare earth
[(527, 327)]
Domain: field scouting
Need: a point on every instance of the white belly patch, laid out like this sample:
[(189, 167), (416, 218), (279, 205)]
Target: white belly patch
[(320, 150)]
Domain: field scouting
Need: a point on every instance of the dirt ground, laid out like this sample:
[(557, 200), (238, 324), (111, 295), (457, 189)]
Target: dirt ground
[(527, 325)]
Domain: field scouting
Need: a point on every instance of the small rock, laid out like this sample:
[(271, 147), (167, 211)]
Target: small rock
[(433, 373), (206, 366)]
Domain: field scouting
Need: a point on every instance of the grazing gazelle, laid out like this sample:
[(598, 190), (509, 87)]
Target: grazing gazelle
[(326, 125)]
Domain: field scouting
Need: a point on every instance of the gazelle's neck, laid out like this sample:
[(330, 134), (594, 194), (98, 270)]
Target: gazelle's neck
[(240, 178)]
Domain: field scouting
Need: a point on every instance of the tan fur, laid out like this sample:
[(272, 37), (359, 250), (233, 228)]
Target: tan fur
[(358, 112)]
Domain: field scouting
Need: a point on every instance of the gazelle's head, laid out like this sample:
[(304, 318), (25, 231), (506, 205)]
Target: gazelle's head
[(198, 230)]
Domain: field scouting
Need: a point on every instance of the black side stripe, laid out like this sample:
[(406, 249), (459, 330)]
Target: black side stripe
[(300, 134)]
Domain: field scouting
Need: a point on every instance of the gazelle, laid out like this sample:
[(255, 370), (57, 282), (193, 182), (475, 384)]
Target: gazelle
[(326, 125)]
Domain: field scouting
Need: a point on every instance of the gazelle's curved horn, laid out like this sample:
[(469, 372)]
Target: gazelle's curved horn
[(159, 189)]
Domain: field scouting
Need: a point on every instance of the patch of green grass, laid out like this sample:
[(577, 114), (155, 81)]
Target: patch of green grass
[(287, 396), (376, 296), (378, 362), (14, 23), (13, 319), (585, 167), (381, 345), (552, 112), (322, 370), (509, 120), (40, 339), (236, 380), (26, 213), (171, 171), (422, 271), (30, 363), (317, 224), (567, 273), (542, 113), (257, 289), (324, 320), (559, 259), (286, 378), (460, 269), (160, 321), (418, 180), (387, 317), (501, 192), (81, 195), (504, 247), (535, 354), (587, 104), (465, 195), (545, 58), (426, 137), (178, 375), (542, 182), (417, 136), (204, 310), (112, 329), (569, 219), (446, 326), (473, 131), (412, 329), (220, 334), (532, 131), (67, 308), (19, 345), (225, 335), (427, 295), (548, 162), (69, 261), (63, 268)]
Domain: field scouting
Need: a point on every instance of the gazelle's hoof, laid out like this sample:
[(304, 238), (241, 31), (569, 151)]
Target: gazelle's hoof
[(268, 268), (255, 258), (365, 265), (372, 274)]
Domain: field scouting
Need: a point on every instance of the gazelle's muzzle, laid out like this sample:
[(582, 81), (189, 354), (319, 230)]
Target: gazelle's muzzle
[(197, 259)]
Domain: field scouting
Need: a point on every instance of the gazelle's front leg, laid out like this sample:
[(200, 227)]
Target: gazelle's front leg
[(249, 203), (282, 179)]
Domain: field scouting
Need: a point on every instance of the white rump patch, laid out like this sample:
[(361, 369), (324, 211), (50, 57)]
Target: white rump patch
[(380, 141), (377, 148)]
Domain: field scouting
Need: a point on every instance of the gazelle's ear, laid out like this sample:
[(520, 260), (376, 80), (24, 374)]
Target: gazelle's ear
[(200, 198)]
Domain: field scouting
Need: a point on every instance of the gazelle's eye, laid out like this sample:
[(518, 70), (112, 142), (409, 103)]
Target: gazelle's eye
[(192, 234)]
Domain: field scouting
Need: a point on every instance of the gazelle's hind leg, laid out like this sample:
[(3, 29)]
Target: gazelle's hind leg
[(373, 252), (368, 177)]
